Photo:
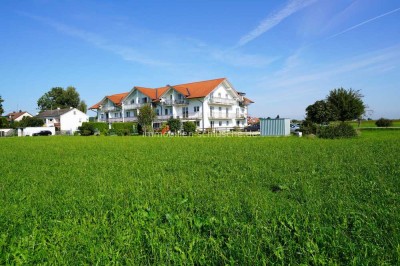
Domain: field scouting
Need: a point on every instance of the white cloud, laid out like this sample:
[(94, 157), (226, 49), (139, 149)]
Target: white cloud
[(364, 22), (274, 19), (125, 52)]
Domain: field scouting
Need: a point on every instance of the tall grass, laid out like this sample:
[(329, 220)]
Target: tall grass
[(243, 201)]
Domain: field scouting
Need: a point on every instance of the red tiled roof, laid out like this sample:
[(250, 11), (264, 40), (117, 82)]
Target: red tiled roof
[(117, 98), (189, 90), (198, 89)]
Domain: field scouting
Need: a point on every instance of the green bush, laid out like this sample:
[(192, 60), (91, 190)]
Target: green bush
[(383, 122), (174, 124), (4, 122), (87, 129), (308, 127), (335, 131), (189, 127), (127, 126)]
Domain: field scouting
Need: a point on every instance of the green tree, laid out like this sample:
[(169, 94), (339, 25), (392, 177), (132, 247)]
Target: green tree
[(57, 97), (82, 106), (4, 123), (174, 124), (146, 117), (346, 104), (189, 127), (320, 112), (1, 106), (28, 121)]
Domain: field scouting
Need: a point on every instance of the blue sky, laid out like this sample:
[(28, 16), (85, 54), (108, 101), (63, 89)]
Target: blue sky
[(284, 54)]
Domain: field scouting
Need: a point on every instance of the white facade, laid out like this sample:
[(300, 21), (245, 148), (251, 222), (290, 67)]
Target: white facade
[(65, 119), (73, 119)]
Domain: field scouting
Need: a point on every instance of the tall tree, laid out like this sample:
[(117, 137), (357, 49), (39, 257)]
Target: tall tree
[(146, 117), (1, 106), (346, 104), (59, 97), (82, 106)]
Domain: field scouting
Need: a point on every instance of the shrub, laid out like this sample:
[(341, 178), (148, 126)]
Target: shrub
[(125, 127), (87, 129), (308, 127), (174, 124), (383, 122), (4, 122), (189, 127), (335, 131)]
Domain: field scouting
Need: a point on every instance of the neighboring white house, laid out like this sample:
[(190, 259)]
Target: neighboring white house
[(68, 119), (18, 116), (209, 104)]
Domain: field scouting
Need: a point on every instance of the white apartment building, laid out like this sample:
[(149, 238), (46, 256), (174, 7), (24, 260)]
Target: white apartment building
[(209, 104)]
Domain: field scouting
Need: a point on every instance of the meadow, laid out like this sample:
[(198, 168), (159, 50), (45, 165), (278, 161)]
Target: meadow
[(200, 200)]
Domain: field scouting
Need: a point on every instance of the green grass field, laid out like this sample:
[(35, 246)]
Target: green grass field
[(371, 123), (200, 200)]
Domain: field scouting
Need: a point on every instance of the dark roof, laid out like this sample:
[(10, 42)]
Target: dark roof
[(53, 113)]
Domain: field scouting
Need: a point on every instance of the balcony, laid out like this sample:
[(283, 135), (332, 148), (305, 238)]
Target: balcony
[(133, 106), (221, 101), (110, 109), (175, 102), (188, 116), (221, 115)]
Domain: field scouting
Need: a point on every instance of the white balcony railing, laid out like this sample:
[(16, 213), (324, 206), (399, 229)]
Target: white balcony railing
[(175, 102), (110, 108), (133, 106), (223, 101), (218, 115)]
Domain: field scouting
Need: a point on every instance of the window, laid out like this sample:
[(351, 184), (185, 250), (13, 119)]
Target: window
[(185, 112), (102, 116), (220, 123), (115, 115), (196, 108), (227, 123), (226, 96), (134, 112), (212, 123), (132, 101), (74, 112), (80, 120), (220, 108), (144, 100), (238, 123), (211, 110), (197, 123), (166, 111), (157, 111), (120, 114), (128, 114)]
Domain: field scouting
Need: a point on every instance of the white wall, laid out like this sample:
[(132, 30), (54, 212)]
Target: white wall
[(72, 120), (28, 131)]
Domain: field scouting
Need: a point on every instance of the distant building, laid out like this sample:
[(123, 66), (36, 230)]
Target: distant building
[(68, 119), (209, 104), (17, 116)]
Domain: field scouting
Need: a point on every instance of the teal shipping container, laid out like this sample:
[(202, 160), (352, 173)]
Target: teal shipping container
[(275, 127)]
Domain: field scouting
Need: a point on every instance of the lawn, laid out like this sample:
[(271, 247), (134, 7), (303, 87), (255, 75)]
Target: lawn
[(371, 123), (200, 200)]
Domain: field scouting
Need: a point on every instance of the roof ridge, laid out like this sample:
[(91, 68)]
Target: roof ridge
[(197, 82)]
